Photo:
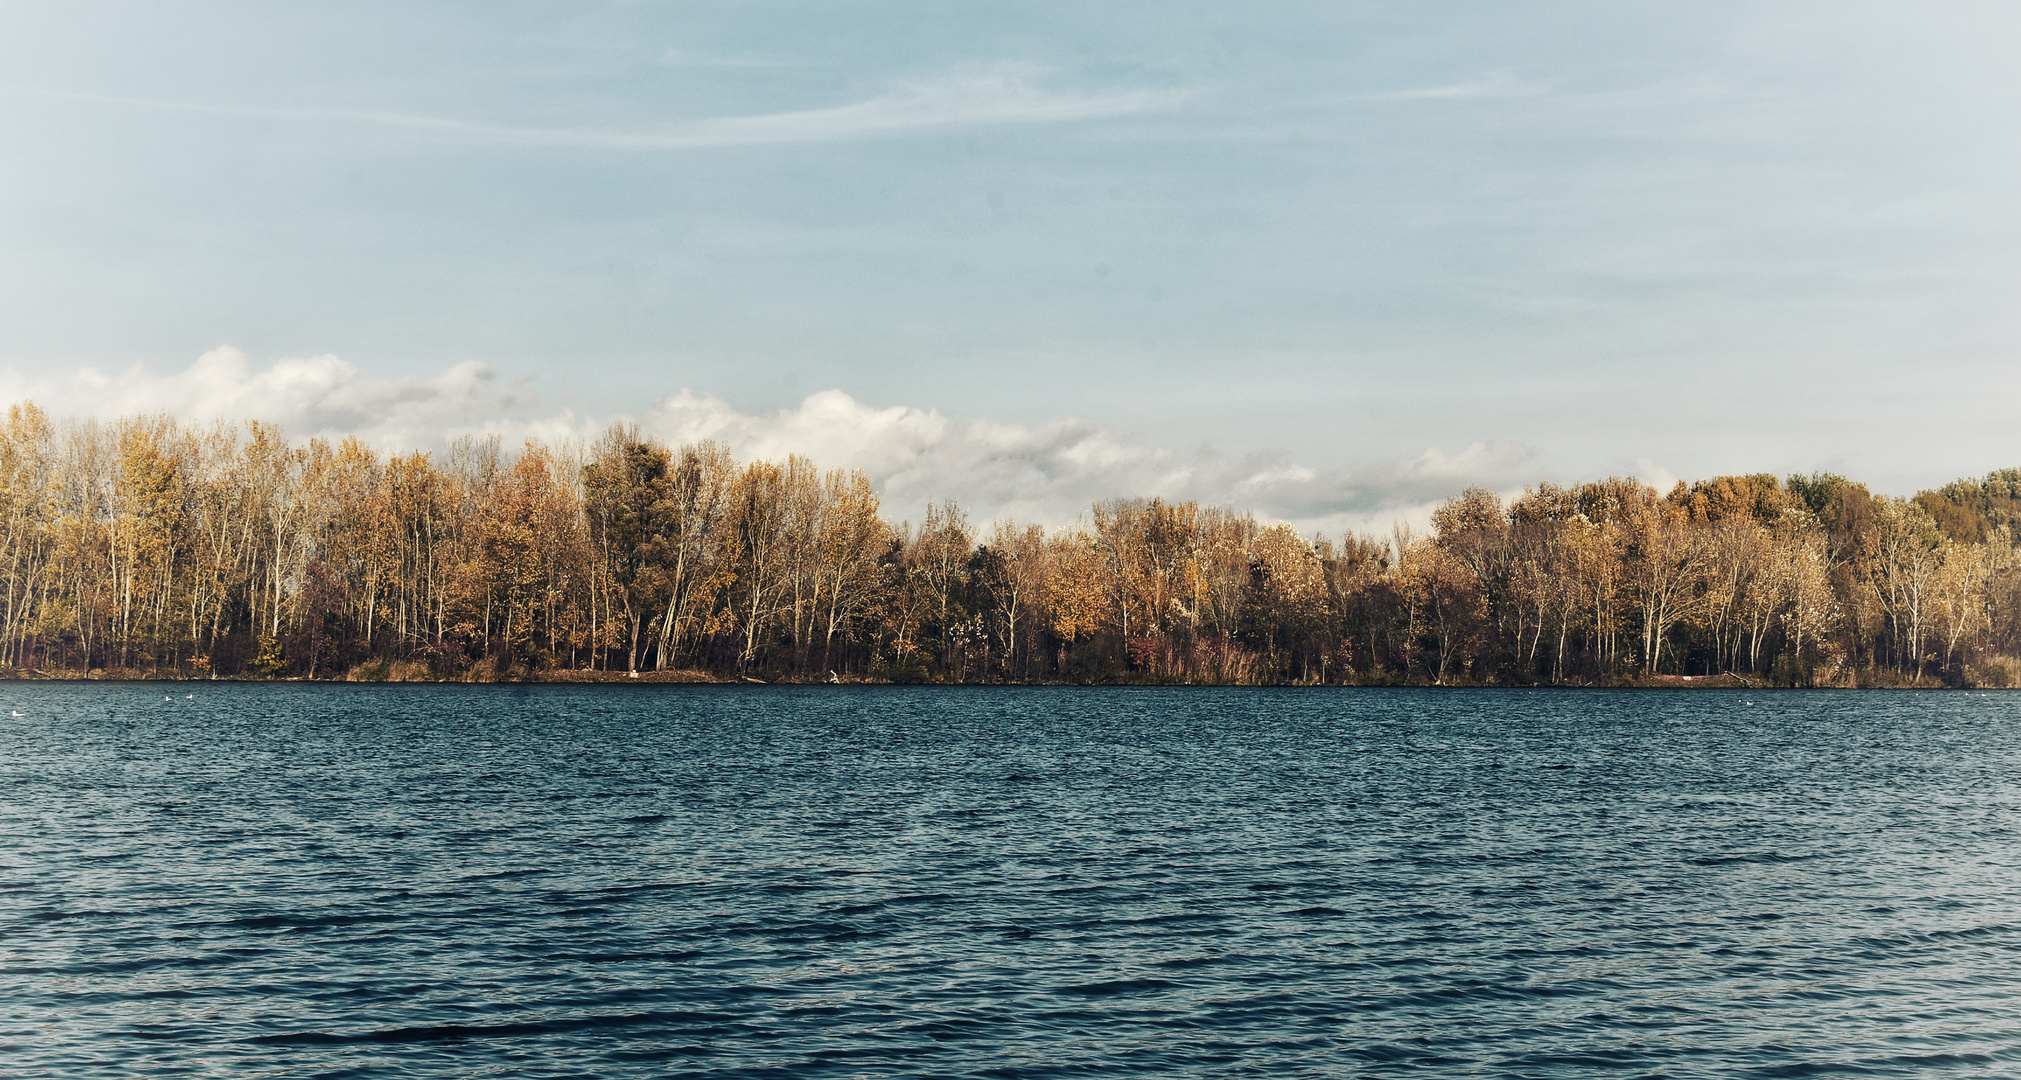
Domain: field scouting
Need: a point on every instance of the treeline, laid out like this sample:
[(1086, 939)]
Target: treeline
[(151, 547)]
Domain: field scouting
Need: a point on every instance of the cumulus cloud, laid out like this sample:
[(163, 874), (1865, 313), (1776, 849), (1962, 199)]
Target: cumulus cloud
[(320, 396), (1054, 472), (1050, 473)]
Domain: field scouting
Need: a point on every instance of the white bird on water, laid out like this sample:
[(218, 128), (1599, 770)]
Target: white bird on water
[(18, 712)]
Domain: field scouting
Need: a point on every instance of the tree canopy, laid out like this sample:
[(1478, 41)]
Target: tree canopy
[(152, 547)]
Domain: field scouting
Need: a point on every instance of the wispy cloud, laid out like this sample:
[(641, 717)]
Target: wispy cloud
[(1050, 473), (685, 58), (1493, 84), (1001, 95)]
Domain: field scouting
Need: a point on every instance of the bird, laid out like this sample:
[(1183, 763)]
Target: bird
[(18, 712), (189, 697)]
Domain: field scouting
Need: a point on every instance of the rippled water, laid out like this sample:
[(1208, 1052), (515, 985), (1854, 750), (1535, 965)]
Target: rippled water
[(611, 882)]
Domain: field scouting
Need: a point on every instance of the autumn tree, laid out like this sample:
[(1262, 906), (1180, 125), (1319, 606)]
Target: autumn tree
[(622, 496)]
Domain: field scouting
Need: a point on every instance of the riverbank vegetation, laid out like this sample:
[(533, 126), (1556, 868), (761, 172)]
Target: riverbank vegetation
[(153, 548)]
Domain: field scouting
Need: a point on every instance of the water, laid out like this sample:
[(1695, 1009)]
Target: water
[(615, 882)]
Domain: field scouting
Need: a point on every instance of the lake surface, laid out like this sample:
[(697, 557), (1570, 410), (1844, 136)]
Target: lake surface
[(384, 881)]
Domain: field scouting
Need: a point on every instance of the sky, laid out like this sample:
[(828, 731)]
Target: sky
[(1330, 262)]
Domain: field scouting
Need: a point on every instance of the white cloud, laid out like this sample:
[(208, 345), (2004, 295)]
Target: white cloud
[(1002, 94), (1293, 474), (308, 396), (1054, 472), (1050, 473), (1656, 476)]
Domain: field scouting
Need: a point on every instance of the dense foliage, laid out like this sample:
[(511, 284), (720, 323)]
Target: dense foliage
[(153, 547)]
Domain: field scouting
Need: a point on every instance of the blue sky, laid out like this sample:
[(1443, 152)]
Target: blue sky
[(1325, 259)]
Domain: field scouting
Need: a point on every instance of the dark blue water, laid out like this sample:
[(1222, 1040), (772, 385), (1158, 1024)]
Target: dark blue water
[(614, 882)]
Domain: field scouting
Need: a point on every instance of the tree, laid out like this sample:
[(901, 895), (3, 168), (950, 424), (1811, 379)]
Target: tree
[(940, 557), (1810, 606), (1665, 565), (849, 539), (622, 493), (1443, 598), (1958, 594), (1908, 551), (689, 510), (756, 549), (1010, 573)]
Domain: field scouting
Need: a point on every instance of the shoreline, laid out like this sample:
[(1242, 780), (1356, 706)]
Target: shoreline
[(702, 678)]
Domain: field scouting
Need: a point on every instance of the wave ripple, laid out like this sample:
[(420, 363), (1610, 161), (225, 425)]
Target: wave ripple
[(616, 882)]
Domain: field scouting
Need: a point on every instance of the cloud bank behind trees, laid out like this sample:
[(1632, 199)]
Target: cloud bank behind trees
[(1048, 473)]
